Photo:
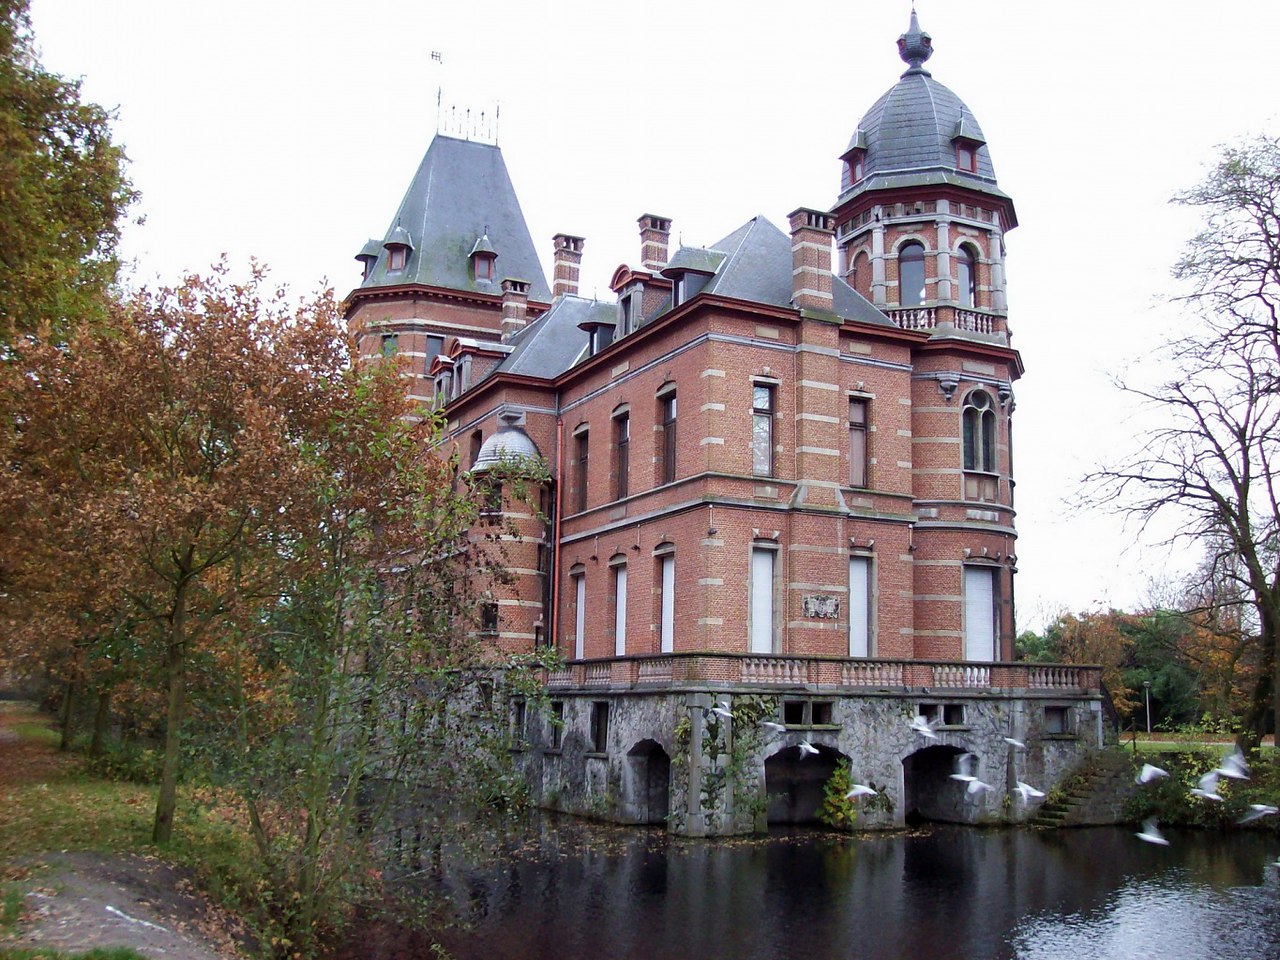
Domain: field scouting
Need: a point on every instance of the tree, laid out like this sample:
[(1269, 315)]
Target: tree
[(62, 192), (1102, 638), (163, 451), (1213, 461)]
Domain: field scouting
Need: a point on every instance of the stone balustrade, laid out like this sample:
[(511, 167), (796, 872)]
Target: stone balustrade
[(711, 669)]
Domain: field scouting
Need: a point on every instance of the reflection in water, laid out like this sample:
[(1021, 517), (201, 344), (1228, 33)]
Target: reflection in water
[(573, 890)]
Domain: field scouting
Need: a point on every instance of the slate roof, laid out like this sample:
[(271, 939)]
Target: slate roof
[(758, 267), (460, 192), (552, 343)]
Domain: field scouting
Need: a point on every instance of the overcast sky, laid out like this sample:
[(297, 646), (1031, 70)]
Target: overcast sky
[(289, 130)]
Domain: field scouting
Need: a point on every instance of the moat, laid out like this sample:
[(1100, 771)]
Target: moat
[(564, 889)]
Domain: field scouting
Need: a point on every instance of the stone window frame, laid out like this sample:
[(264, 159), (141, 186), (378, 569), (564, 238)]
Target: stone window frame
[(667, 397), (913, 241), (620, 427), (764, 415), (967, 256), (663, 553), (618, 602), (581, 464)]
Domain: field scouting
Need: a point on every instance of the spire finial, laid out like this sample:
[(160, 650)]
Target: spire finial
[(915, 46)]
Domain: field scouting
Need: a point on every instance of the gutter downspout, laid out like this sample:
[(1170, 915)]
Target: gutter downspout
[(555, 549)]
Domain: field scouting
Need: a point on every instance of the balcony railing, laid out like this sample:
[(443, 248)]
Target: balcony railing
[(724, 669), (955, 318)]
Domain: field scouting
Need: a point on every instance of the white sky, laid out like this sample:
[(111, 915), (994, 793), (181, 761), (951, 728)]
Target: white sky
[(289, 130)]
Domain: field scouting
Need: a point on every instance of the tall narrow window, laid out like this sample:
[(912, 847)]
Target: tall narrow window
[(579, 615), (626, 311), (859, 606), (477, 441), (599, 726), (396, 257), (979, 432), (667, 602), (966, 276), (857, 442), (667, 402), (621, 455), (390, 344), (762, 430), (435, 347), (911, 274), (979, 613), (581, 439), (620, 609), (762, 564)]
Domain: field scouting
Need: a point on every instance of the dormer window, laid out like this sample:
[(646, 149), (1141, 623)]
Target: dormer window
[(679, 288), (966, 156), (854, 167), (398, 246), (482, 258)]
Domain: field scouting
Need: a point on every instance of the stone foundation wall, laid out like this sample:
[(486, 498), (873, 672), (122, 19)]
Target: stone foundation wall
[(668, 757)]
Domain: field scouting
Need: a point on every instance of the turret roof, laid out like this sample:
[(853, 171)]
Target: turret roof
[(461, 192)]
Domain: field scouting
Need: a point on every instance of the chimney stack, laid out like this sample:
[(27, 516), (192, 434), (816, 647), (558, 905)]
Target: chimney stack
[(515, 303), (566, 264), (655, 232), (811, 233)]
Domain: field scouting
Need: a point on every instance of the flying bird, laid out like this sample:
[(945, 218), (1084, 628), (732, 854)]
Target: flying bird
[(806, 748), (964, 768), (1027, 792), (860, 790), (722, 710), (1233, 766), (977, 786), (775, 727), (1207, 789), (1151, 833), (924, 727), (1149, 773), (1257, 811), (1015, 743)]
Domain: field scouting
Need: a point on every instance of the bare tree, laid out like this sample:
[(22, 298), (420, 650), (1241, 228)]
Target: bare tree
[(1213, 461)]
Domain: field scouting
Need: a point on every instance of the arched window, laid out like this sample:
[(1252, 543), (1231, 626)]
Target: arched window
[(911, 274), (979, 432), (966, 277)]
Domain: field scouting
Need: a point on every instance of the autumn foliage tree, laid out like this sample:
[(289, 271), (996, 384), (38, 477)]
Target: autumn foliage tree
[(63, 191), (157, 454)]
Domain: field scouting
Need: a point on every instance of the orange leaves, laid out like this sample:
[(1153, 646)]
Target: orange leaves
[(1100, 638)]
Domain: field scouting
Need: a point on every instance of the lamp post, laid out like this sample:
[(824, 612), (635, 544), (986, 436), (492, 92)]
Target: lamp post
[(1147, 687)]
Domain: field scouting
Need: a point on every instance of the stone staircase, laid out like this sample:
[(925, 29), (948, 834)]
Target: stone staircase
[(1094, 796)]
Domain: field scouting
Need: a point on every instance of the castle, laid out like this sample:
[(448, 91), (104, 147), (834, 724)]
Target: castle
[(779, 523)]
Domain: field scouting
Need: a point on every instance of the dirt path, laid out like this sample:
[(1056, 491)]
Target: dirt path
[(81, 900)]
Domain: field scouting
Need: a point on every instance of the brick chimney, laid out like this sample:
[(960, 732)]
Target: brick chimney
[(515, 302), (566, 264), (655, 232), (811, 233)]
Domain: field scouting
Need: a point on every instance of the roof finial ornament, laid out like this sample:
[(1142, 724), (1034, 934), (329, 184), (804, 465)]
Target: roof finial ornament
[(915, 46)]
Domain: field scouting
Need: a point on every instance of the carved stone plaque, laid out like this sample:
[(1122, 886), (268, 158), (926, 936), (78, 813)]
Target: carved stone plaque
[(822, 606)]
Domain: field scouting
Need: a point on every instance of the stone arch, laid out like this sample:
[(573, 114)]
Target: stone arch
[(794, 783), (646, 784), (928, 792)]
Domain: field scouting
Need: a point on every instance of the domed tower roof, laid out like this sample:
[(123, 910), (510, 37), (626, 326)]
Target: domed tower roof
[(510, 444), (920, 132)]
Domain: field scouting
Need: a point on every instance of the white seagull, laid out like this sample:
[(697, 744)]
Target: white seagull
[(1015, 743), (977, 786), (964, 768), (924, 727), (722, 710), (1149, 773), (806, 748), (1257, 811), (1027, 792), (860, 790), (1233, 766), (1207, 789), (775, 727), (1151, 833)]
